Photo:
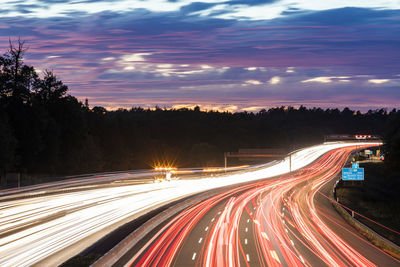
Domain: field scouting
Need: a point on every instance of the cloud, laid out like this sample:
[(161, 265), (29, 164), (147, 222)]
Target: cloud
[(325, 79), (290, 70), (378, 81), (137, 57), (143, 54), (196, 6), (250, 2), (229, 9), (253, 82), (343, 16), (275, 80)]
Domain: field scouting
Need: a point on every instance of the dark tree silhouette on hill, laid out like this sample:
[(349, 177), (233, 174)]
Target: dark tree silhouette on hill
[(45, 131), (49, 89)]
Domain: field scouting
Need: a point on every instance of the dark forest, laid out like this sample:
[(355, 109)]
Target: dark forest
[(45, 131)]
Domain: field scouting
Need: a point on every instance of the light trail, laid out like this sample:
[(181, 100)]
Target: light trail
[(33, 229), (287, 228)]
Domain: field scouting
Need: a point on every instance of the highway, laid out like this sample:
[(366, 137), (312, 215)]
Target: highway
[(284, 221), (47, 228)]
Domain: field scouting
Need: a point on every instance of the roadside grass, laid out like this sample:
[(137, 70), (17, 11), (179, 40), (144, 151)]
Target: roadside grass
[(378, 199)]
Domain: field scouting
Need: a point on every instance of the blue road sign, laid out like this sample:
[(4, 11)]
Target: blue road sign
[(353, 174), (355, 165)]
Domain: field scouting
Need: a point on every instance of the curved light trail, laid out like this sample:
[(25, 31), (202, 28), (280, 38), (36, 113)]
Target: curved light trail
[(273, 222), (32, 229)]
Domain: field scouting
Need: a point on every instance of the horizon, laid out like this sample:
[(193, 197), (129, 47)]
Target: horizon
[(233, 111)]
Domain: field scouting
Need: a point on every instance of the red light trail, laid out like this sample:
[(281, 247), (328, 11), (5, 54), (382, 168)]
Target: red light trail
[(273, 222)]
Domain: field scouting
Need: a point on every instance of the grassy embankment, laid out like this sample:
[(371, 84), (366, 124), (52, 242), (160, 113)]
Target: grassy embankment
[(378, 199)]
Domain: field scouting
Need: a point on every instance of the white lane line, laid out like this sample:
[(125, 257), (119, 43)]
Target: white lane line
[(264, 235), (245, 241), (247, 229), (301, 258), (248, 220), (206, 228), (291, 241), (194, 256), (212, 219), (274, 255), (219, 212), (247, 257), (286, 231), (201, 239)]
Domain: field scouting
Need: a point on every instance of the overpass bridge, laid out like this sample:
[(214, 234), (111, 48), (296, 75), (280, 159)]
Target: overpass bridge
[(352, 137)]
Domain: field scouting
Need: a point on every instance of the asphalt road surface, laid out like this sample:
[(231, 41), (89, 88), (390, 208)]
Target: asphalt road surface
[(47, 224), (284, 221)]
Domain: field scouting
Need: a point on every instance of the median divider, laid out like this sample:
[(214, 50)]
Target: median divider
[(367, 232)]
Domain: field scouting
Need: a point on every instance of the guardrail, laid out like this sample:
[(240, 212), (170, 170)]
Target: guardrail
[(367, 232)]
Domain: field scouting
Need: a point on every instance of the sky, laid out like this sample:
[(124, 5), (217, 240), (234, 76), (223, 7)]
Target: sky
[(232, 55)]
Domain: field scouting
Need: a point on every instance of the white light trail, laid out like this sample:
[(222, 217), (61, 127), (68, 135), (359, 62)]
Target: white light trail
[(44, 225)]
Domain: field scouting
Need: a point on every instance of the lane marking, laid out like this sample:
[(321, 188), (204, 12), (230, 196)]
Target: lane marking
[(301, 258), (206, 228), (247, 229), (200, 240), (212, 219), (274, 255), (291, 241), (245, 241), (256, 222), (247, 257), (194, 256), (286, 231), (264, 235), (248, 220)]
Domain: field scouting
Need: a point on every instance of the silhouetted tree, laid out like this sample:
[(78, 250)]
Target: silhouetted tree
[(7, 145), (45, 131), (49, 89), (16, 78)]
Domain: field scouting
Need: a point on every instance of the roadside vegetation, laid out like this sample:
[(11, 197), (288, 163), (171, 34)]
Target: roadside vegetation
[(378, 199), (46, 132)]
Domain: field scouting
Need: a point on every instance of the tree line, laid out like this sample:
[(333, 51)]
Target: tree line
[(46, 131)]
